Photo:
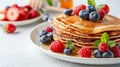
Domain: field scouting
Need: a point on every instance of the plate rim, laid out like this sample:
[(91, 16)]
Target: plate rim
[(55, 55)]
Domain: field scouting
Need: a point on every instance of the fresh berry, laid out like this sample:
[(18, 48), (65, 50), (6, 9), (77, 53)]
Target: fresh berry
[(97, 54), (108, 54), (43, 32), (33, 14), (13, 14), (85, 52), (79, 8), (49, 29), (57, 46), (116, 51), (118, 45), (50, 34), (94, 16), (68, 12), (84, 14), (45, 39), (90, 8), (2, 16), (106, 8), (68, 51), (23, 14), (28, 7), (103, 47), (102, 13), (9, 28)]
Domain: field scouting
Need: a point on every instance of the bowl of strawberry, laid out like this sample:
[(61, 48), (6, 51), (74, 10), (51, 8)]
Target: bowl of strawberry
[(19, 15)]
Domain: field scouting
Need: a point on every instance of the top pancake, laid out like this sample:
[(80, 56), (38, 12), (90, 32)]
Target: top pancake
[(109, 23)]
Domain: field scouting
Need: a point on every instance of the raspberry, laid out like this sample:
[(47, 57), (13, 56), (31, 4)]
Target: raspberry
[(85, 52), (57, 46), (102, 13), (49, 29), (79, 8), (115, 51), (106, 8), (103, 47)]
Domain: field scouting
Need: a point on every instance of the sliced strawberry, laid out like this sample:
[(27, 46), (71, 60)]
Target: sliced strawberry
[(9, 28), (13, 14), (23, 14), (2, 16), (33, 14)]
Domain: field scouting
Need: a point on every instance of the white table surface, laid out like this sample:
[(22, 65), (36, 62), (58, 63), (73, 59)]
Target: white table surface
[(17, 51)]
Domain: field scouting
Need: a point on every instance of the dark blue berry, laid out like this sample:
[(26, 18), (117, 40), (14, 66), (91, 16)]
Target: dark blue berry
[(68, 12), (50, 34), (97, 54), (94, 16), (43, 32), (45, 39), (68, 51), (108, 55), (118, 45), (84, 14), (90, 8)]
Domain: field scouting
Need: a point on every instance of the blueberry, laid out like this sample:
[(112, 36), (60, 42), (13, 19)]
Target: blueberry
[(97, 54), (118, 45), (50, 34), (45, 39), (84, 14), (68, 12), (68, 51), (90, 8), (108, 55), (94, 16), (43, 32)]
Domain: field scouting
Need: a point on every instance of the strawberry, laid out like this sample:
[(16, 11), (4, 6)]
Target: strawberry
[(9, 28), (13, 14), (49, 29), (85, 52), (28, 7), (57, 46), (103, 47), (33, 14), (115, 51), (2, 16), (23, 14), (78, 9), (102, 13)]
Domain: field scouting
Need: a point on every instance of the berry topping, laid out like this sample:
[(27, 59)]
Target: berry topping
[(68, 12), (94, 16), (90, 8), (84, 14), (57, 46), (43, 32), (106, 8), (102, 13), (45, 39), (49, 29), (103, 47), (116, 51), (68, 51), (118, 45), (79, 8), (9, 28), (85, 52), (13, 14), (108, 54), (50, 34), (97, 53)]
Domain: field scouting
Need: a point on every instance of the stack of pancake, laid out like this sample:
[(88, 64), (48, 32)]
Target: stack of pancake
[(84, 32)]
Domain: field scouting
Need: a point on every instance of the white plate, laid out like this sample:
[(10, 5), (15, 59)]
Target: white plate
[(34, 38), (21, 23)]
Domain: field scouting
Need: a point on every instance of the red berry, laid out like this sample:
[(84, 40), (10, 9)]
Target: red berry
[(33, 14), (115, 51), (13, 14), (23, 14), (28, 7), (2, 16), (85, 52), (103, 47), (49, 29), (102, 13), (15, 5), (79, 8), (57, 46), (106, 8), (9, 28)]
